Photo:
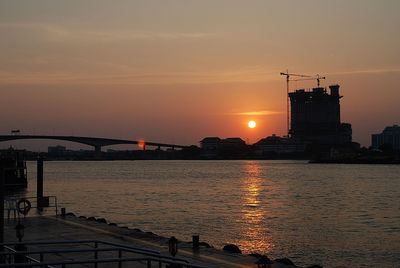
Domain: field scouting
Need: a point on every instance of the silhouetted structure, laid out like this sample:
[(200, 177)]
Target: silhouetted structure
[(315, 117), (390, 137), (275, 145), (56, 149), (97, 143), (235, 143), (210, 143), (215, 147), (13, 164)]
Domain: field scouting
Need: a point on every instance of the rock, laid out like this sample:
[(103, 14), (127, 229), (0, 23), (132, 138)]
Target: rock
[(264, 260), (284, 261), (231, 248), (101, 220), (137, 230), (314, 266), (91, 219), (112, 224), (70, 214)]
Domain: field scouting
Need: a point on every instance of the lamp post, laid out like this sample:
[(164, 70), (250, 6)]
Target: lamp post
[(20, 231), (20, 247)]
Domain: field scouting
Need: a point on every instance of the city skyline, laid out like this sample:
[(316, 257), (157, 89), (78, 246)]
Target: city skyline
[(174, 71)]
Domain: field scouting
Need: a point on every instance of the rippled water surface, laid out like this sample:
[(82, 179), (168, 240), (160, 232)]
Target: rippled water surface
[(336, 215)]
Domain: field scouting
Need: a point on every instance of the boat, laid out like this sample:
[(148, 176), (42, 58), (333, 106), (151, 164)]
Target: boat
[(13, 164)]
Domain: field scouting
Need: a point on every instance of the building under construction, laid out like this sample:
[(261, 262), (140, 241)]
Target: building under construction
[(315, 117)]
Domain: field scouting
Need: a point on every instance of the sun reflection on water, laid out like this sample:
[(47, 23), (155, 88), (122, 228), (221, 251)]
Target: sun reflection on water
[(255, 231)]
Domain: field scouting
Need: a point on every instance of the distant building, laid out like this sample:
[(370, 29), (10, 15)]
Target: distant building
[(216, 143), (389, 136), (279, 145), (56, 149), (212, 147), (210, 143), (233, 143), (315, 117)]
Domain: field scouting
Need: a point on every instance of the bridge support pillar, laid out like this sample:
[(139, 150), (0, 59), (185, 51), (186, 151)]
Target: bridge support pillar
[(97, 151)]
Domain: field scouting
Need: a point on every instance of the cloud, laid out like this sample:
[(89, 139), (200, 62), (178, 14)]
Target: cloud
[(114, 74), (258, 113), (368, 71), (59, 33), (65, 62)]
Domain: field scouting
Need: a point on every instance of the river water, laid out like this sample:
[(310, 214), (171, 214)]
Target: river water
[(335, 215)]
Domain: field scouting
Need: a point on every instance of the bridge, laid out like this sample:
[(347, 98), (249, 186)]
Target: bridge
[(97, 143)]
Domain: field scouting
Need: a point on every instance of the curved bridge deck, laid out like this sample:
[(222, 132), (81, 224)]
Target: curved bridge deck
[(97, 143)]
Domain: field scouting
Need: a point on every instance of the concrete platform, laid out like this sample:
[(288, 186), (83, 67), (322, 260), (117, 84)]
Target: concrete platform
[(45, 228)]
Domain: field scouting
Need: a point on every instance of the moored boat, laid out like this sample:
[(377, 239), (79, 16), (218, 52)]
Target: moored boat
[(13, 164)]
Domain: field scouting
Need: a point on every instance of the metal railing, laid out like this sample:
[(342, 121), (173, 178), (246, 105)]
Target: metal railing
[(117, 254), (11, 203), (11, 257)]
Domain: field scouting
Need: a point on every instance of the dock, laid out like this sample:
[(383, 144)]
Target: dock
[(67, 240)]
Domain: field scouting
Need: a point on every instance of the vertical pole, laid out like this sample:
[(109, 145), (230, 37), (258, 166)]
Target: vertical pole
[(119, 258), (96, 253), (196, 242), (63, 212), (287, 102), (39, 188), (97, 151), (2, 259)]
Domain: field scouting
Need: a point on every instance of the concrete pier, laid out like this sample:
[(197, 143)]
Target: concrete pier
[(45, 228)]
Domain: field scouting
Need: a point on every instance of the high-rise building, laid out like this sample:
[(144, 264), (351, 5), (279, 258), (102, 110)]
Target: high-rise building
[(315, 117), (390, 136)]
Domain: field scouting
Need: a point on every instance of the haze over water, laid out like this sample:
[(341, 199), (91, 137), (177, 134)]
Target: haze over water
[(335, 215)]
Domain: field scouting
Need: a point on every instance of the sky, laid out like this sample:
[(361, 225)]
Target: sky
[(176, 71)]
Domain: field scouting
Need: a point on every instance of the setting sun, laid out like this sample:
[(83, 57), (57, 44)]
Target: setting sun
[(252, 124)]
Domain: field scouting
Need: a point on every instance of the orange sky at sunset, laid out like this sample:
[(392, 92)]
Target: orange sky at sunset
[(178, 71)]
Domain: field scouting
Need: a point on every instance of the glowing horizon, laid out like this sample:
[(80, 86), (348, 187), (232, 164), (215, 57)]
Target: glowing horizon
[(177, 72)]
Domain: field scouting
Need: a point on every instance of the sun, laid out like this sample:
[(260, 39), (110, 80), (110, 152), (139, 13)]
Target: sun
[(252, 124)]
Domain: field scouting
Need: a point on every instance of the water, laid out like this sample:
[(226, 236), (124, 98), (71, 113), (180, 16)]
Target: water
[(335, 215)]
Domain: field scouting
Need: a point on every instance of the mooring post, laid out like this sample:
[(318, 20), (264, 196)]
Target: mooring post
[(63, 212), (39, 181), (196, 242), (2, 257)]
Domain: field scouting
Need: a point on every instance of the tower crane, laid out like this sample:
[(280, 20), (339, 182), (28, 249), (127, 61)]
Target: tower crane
[(302, 77)]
